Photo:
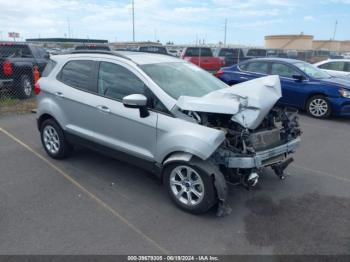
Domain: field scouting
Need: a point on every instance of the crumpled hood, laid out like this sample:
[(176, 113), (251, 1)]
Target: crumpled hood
[(248, 102)]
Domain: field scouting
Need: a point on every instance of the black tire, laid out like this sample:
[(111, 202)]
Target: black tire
[(25, 87), (64, 149), (324, 110), (209, 198)]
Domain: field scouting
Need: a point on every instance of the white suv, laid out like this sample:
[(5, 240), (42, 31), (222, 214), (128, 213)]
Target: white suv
[(169, 116)]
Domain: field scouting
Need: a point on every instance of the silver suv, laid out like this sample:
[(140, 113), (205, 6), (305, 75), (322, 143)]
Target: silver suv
[(168, 116)]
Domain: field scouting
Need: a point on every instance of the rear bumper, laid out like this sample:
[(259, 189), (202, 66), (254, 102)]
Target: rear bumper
[(4, 83), (264, 158)]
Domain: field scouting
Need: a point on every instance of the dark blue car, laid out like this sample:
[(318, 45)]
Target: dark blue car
[(303, 85)]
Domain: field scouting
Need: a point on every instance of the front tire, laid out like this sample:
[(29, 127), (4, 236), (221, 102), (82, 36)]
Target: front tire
[(190, 187), (318, 107), (54, 141)]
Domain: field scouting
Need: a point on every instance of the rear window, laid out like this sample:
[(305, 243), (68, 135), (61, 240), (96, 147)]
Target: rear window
[(226, 52), (7, 50), (78, 74), (48, 68), (256, 67), (153, 49), (196, 51), (93, 47)]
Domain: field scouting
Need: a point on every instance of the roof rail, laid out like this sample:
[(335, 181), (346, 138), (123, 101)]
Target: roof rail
[(102, 52)]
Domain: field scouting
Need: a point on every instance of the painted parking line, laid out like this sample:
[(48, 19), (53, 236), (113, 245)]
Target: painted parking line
[(87, 192), (321, 173)]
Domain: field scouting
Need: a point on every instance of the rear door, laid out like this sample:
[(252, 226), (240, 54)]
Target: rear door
[(251, 70), (293, 91), (76, 96)]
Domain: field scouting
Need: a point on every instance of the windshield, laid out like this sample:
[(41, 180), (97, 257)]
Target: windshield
[(312, 71), (183, 79)]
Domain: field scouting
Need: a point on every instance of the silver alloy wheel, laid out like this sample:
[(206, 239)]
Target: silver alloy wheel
[(318, 107), (27, 87), (187, 185), (51, 139)]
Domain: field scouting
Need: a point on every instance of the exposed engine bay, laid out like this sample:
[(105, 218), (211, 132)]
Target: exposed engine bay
[(257, 133)]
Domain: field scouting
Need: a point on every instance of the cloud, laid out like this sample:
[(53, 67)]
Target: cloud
[(175, 20), (309, 18)]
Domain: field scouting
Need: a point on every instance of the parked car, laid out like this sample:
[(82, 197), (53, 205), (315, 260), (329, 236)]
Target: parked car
[(93, 47), (169, 116), (335, 67), (155, 49), (17, 62), (233, 56), (304, 86), (202, 57)]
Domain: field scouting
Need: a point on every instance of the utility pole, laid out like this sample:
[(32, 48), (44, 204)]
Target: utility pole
[(225, 32), (68, 24), (335, 29), (133, 20)]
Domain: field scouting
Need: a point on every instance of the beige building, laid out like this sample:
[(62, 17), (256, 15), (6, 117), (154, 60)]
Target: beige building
[(305, 42), (298, 42)]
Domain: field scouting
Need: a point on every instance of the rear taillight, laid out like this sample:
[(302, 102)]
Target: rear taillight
[(219, 73), (7, 68), (37, 89)]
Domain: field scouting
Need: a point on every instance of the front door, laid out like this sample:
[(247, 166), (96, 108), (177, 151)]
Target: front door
[(292, 89), (117, 126)]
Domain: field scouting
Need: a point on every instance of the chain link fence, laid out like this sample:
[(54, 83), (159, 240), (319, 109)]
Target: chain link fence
[(20, 67)]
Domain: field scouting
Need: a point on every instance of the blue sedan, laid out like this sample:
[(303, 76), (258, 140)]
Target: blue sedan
[(303, 85)]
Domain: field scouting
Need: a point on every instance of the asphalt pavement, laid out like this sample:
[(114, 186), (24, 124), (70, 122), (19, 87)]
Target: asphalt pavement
[(92, 204)]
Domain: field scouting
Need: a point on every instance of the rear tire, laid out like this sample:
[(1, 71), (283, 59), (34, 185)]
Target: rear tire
[(54, 141), (190, 187), (318, 107), (25, 87)]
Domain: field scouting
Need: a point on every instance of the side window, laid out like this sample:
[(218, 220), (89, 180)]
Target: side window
[(283, 70), (78, 74), (116, 82), (48, 68), (336, 66), (347, 67), (256, 67)]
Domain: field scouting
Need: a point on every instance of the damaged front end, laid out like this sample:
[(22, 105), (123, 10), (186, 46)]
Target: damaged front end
[(258, 134)]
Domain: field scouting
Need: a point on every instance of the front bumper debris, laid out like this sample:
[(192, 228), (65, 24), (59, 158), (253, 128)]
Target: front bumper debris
[(263, 158)]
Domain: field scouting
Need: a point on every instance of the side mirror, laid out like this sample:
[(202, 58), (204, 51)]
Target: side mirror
[(47, 56), (137, 101), (299, 77)]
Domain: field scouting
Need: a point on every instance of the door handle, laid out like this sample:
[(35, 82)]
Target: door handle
[(59, 94), (104, 109)]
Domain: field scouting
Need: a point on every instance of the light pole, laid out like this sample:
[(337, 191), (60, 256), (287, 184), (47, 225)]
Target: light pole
[(225, 32), (133, 20)]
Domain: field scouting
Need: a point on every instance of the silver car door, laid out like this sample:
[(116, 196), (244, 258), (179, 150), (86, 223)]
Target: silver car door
[(74, 96), (119, 127)]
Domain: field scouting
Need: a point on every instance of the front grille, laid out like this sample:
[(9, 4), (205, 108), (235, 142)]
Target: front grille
[(265, 139)]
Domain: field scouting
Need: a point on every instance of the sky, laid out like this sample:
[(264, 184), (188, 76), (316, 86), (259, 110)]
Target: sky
[(179, 21)]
